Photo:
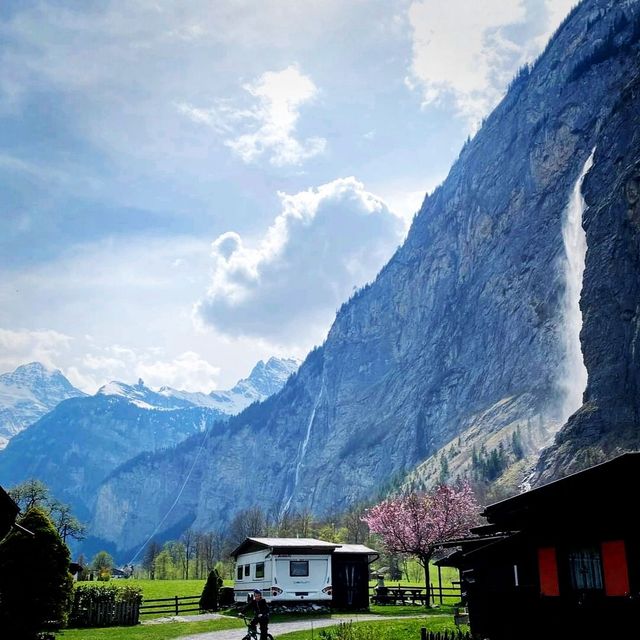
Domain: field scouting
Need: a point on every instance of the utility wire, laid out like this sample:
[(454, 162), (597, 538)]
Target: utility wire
[(180, 492)]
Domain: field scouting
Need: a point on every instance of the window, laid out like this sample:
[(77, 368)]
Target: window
[(260, 570), (585, 569), (299, 568), (239, 572), (247, 570)]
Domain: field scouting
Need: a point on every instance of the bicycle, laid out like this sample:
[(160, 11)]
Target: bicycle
[(252, 630)]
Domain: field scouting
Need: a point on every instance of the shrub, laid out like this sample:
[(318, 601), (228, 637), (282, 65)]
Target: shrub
[(35, 583), (105, 605), (210, 598)]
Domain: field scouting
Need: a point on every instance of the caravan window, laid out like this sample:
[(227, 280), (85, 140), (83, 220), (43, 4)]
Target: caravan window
[(247, 570), (239, 572), (260, 570), (299, 568)]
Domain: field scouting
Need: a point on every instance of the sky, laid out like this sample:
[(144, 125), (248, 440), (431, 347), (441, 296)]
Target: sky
[(189, 187)]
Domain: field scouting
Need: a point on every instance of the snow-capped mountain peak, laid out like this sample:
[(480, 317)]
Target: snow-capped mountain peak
[(264, 380), (28, 393)]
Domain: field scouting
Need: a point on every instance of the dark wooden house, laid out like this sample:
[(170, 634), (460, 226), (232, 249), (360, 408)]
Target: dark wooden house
[(350, 568), (8, 513), (560, 561)]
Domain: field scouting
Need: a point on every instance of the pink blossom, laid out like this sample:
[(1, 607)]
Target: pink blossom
[(417, 523)]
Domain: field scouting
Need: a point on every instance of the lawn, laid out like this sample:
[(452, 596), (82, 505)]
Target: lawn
[(151, 632), (152, 589), (437, 619), (408, 629)]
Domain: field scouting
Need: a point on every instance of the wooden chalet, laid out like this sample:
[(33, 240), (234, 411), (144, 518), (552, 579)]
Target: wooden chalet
[(8, 513), (560, 561)]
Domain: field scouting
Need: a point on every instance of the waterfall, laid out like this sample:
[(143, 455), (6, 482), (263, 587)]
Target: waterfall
[(303, 448), (574, 379)]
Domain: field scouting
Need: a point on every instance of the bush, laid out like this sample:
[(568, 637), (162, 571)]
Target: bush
[(105, 605), (210, 598), (35, 583)]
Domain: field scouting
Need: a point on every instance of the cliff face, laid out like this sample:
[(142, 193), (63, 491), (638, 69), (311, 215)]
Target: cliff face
[(608, 423), (74, 447), (466, 321)]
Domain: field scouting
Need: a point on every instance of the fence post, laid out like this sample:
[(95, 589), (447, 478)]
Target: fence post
[(440, 582), (423, 633), (176, 597)]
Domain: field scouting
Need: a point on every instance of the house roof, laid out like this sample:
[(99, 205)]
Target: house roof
[(355, 548), (8, 512), (309, 545), (567, 502), (570, 495)]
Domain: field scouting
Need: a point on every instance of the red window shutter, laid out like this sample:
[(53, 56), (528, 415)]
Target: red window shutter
[(614, 566), (548, 568)]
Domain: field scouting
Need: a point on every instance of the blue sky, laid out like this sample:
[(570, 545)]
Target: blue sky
[(188, 187)]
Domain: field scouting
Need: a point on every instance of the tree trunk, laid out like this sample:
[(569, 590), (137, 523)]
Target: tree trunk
[(427, 583)]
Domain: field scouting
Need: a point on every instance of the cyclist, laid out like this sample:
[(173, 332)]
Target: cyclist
[(260, 611)]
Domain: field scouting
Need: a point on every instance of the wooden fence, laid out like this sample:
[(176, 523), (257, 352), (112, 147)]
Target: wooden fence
[(107, 614), (171, 606), (439, 593)]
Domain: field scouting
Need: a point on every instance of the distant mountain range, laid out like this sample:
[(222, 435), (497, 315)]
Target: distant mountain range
[(264, 380), (28, 393), (73, 447)]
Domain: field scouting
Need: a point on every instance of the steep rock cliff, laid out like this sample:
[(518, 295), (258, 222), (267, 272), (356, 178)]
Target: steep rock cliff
[(466, 320)]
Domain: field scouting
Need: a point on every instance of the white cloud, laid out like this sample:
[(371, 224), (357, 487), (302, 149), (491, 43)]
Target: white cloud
[(22, 346), (187, 370), (287, 286), (271, 122), (468, 52)]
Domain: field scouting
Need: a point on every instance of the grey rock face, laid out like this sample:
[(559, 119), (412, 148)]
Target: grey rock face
[(27, 394), (609, 421), (73, 448), (466, 316)]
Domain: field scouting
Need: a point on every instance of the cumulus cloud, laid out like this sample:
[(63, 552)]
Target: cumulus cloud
[(187, 370), (21, 346), (269, 124), (286, 287), (468, 52)]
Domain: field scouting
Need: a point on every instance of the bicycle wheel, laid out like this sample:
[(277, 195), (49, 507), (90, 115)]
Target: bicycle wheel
[(248, 637), (269, 636)]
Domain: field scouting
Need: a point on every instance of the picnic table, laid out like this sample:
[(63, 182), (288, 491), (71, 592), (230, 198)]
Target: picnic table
[(414, 594), (399, 594)]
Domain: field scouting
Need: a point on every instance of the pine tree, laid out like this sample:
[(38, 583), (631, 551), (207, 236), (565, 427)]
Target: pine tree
[(35, 583), (211, 592)]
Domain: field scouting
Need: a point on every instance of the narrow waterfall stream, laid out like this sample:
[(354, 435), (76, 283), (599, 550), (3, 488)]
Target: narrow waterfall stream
[(574, 380)]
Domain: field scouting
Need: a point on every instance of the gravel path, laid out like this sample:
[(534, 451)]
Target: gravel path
[(278, 628)]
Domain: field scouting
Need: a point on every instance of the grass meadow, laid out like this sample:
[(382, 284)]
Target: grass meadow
[(436, 619)]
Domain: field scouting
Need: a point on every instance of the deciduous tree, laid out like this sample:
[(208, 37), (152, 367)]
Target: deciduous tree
[(102, 564), (418, 523)]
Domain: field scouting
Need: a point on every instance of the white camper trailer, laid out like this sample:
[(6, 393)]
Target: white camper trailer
[(284, 569)]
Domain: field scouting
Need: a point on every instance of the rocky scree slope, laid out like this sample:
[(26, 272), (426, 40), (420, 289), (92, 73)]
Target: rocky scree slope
[(464, 321)]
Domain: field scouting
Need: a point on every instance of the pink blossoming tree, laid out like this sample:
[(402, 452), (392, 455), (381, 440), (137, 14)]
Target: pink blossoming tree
[(418, 523)]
